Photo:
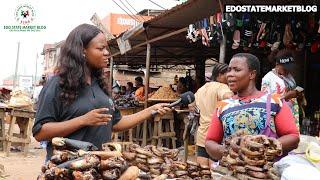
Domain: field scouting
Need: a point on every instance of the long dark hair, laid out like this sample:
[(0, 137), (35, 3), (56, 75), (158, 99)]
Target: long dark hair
[(72, 63)]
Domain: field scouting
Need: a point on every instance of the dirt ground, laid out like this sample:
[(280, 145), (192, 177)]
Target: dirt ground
[(19, 167)]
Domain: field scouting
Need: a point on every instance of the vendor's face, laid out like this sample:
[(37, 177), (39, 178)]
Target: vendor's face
[(239, 75), (97, 53)]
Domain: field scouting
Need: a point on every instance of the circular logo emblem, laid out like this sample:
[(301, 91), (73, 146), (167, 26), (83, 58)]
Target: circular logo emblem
[(24, 14)]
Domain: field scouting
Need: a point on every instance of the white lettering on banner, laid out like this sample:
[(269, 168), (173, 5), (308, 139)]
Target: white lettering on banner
[(127, 21), (271, 8), (228, 8), (282, 61), (286, 60)]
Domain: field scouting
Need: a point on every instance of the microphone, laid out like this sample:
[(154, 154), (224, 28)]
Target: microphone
[(185, 99)]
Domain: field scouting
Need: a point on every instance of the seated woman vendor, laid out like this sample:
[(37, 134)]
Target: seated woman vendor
[(247, 110)]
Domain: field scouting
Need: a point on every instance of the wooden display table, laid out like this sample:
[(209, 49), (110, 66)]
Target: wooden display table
[(2, 128), (167, 122), (24, 119)]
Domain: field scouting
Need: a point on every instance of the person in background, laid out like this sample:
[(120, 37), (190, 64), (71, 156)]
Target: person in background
[(123, 90), (130, 89), (139, 93), (182, 85), (247, 111), (191, 84), (206, 99), (279, 80), (115, 94), (75, 103)]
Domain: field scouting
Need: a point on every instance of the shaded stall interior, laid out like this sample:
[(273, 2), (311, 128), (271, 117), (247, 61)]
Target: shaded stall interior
[(162, 41)]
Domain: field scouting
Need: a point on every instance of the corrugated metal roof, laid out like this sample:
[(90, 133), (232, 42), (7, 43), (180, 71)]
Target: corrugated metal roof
[(176, 49)]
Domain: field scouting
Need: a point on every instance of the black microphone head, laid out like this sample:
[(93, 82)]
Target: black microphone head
[(187, 98)]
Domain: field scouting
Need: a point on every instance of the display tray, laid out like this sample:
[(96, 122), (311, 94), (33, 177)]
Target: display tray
[(162, 100)]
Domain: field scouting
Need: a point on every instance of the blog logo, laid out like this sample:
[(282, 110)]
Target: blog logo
[(24, 14)]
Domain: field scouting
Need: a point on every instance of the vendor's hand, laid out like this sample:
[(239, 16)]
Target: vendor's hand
[(97, 117), (161, 108)]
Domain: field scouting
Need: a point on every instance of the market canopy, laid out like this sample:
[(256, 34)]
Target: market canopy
[(167, 35)]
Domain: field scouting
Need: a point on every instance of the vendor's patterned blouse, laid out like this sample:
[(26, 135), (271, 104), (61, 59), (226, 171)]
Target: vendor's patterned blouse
[(250, 115)]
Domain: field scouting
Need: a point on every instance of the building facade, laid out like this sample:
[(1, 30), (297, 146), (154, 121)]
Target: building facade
[(50, 53)]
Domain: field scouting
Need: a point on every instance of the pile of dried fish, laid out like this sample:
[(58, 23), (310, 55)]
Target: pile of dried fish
[(250, 157), (74, 159), (162, 163)]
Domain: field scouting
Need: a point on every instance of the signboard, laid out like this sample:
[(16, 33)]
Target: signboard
[(119, 23), (124, 45), (25, 82), (96, 21)]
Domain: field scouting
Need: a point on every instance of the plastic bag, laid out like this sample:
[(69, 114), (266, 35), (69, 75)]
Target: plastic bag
[(300, 172), (295, 167)]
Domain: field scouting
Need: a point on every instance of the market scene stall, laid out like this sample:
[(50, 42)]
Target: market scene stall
[(160, 76)]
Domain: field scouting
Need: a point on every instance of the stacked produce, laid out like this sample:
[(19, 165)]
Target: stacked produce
[(126, 101), (162, 163), (74, 159), (165, 92), (80, 160), (250, 157)]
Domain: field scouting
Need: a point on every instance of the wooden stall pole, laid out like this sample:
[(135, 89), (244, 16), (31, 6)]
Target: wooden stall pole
[(147, 77), (223, 44), (222, 54), (200, 72)]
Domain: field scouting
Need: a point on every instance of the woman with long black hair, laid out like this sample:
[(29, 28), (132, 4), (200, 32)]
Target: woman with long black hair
[(75, 103)]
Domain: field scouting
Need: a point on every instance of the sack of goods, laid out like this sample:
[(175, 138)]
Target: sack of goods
[(20, 99), (249, 157)]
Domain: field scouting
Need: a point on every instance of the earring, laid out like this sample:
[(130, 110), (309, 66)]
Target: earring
[(84, 55)]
